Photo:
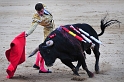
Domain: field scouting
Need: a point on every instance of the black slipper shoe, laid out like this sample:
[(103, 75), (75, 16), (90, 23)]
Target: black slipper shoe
[(45, 72), (35, 66)]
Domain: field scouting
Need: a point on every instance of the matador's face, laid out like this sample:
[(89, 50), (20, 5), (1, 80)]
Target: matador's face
[(41, 12)]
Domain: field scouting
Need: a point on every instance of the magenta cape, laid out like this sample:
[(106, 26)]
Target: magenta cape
[(16, 54)]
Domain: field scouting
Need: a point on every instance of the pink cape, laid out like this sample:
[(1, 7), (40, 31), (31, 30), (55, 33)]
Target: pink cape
[(16, 54)]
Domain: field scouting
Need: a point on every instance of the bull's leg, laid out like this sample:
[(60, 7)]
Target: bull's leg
[(97, 55), (82, 60), (69, 64), (78, 66), (79, 63)]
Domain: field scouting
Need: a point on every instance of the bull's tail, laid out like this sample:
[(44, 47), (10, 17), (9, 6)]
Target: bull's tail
[(106, 24)]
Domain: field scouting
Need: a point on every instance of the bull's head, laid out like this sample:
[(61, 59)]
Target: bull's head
[(47, 51)]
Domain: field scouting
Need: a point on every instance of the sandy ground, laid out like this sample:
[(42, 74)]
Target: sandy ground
[(16, 17)]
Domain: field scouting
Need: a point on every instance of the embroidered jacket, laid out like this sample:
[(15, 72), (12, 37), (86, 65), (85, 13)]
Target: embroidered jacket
[(46, 20)]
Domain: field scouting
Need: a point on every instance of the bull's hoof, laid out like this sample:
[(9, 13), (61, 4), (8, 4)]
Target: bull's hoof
[(97, 69), (91, 75), (97, 72), (75, 72)]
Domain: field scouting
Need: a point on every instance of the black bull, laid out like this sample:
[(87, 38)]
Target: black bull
[(69, 49)]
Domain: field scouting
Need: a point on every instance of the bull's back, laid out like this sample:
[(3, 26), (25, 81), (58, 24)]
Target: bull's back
[(87, 28)]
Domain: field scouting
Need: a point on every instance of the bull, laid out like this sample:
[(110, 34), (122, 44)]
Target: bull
[(62, 45)]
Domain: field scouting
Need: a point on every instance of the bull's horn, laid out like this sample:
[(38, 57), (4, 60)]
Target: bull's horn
[(49, 43)]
